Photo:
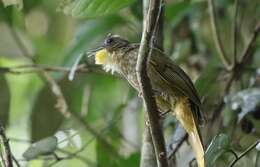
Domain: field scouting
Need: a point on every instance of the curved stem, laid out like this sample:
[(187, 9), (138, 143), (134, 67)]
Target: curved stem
[(235, 31), (244, 153), (216, 36)]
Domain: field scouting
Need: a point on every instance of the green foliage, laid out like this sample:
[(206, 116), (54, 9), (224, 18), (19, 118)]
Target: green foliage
[(6, 13), (45, 118), (218, 146), (176, 11), (206, 84), (7, 3), (92, 8), (89, 33)]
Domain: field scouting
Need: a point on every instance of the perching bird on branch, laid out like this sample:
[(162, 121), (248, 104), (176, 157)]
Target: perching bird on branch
[(173, 89)]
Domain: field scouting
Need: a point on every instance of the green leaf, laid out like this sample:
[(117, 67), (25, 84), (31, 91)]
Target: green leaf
[(6, 13), (45, 118), (89, 33), (206, 83), (132, 160), (18, 3), (4, 101), (175, 11), (219, 145), (92, 8), (43, 147)]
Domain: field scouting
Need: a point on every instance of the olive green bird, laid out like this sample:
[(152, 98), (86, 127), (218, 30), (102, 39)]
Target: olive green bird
[(173, 89)]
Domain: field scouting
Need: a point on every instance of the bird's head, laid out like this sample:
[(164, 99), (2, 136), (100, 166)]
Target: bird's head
[(110, 52)]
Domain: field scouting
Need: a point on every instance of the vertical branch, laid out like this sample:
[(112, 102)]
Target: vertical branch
[(216, 35), (7, 155), (145, 51), (148, 158)]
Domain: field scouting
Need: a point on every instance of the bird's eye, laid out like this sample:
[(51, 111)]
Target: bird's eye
[(109, 41)]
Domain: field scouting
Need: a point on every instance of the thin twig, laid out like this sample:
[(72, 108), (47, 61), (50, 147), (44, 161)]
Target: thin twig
[(179, 144), (35, 69), (144, 53), (70, 156), (217, 110), (237, 71), (244, 153), (7, 154), (15, 161), (20, 43), (235, 33), (251, 45), (233, 153), (62, 105), (257, 159), (216, 35)]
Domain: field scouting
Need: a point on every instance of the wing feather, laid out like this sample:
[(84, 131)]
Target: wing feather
[(172, 79)]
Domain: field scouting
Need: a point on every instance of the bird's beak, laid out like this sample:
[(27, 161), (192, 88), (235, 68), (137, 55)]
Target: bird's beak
[(101, 56)]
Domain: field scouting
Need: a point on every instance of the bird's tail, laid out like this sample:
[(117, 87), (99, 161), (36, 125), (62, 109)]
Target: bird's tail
[(184, 115)]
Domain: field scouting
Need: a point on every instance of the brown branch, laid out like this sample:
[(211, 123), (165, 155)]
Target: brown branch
[(25, 69), (216, 35), (145, 51), (244, 153), (148, 158), (7, 154)]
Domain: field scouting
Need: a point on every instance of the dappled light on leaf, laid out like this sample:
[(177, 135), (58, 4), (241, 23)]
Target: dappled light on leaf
[(92, 8), (218, 146)]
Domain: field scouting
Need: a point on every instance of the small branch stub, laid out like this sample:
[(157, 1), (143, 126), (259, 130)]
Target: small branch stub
[(6, 152)]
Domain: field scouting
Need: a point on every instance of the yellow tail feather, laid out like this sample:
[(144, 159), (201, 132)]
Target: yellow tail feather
[(184, 115)]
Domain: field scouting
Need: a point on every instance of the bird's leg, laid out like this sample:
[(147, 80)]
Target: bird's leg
[(157, 93), (163, 113)]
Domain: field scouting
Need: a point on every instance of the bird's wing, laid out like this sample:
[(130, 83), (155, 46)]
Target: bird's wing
[(174, 76), (176, 79)]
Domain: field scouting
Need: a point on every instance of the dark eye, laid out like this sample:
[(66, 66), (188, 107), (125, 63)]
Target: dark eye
[(109, 40)]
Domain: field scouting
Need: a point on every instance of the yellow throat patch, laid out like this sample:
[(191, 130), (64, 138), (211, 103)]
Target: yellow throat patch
[(101, 57)]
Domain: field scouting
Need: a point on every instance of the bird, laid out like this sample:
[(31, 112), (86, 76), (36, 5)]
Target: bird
[(172, 87)]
